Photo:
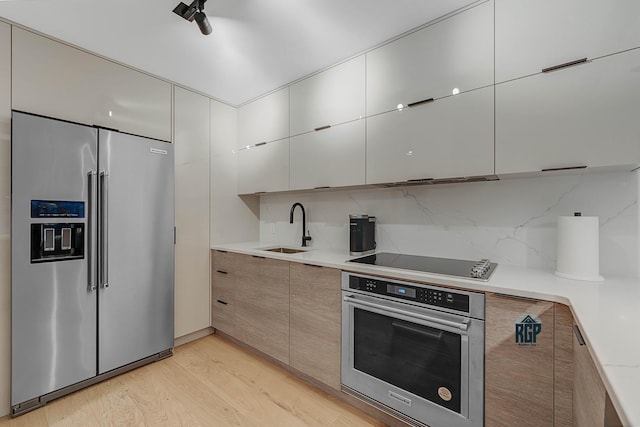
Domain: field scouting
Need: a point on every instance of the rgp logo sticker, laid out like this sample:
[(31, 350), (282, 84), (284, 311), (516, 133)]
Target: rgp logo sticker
[(528, 326)]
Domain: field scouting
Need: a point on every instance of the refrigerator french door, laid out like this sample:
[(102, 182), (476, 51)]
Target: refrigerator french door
[(92, 256)]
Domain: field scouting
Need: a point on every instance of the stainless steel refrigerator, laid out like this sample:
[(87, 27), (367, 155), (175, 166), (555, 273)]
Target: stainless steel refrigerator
[(92, 256)]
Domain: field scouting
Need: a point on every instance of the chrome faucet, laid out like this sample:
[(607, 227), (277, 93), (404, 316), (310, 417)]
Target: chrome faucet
[(305, 238)]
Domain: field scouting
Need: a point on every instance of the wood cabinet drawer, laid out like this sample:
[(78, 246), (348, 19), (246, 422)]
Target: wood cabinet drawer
[(222, 280), (222, 260), (223, 311)]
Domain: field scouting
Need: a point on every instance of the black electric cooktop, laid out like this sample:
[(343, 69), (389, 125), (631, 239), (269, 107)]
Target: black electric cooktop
[(480, 270)]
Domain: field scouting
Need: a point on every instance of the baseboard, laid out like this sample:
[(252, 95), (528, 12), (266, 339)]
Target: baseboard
[(192, 336)]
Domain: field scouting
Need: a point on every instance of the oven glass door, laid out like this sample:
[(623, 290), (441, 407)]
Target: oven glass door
[(420, 359)]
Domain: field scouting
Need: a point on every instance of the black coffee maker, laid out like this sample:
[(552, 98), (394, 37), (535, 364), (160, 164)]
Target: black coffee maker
[(362, 234)]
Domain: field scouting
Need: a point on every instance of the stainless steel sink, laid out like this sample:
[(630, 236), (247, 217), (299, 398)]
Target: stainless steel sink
[(284, 250)]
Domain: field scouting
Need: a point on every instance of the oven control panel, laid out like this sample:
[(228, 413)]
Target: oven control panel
[(433, 296)]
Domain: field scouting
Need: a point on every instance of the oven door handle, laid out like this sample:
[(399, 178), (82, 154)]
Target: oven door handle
[(464, 325)]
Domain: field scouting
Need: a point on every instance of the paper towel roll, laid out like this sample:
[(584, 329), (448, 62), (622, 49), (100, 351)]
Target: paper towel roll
[(579, 248)]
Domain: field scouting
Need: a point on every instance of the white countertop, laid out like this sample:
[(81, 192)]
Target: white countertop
[(606, 312)]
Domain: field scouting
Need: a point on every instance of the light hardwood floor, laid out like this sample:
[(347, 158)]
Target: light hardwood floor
[(208, 382)]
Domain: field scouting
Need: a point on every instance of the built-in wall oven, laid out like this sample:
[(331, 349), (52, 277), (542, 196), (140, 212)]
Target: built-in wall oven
[(415, 351)]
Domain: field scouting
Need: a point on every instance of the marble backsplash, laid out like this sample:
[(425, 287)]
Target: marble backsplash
[(511, 221)]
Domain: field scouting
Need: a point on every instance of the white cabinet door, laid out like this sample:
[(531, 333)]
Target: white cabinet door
[(581, 116), (264, 120), (451, 137), (331, 97), (56, 80), (192, 212), (332, 157), (456, 53), (535, 34), (264, 168)]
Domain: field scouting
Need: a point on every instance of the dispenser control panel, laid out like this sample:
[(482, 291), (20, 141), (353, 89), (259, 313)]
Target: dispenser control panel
[(57, 241)]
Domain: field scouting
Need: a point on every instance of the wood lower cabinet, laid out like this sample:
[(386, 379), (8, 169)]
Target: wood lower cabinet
[(262, 305), (223, 291), (588, 389), (315, 322), (563, 367), (518, 375)]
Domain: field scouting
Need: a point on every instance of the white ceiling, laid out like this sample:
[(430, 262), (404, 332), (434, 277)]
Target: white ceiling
[(256, 45)]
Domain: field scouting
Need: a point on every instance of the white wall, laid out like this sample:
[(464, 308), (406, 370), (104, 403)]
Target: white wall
[(233, 218), (510, 221), (5, 216)]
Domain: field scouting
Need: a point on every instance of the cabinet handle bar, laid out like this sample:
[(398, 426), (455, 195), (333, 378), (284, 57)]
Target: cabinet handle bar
[(517, 297), (579, 336), (424, 101), (322, 128), (565, 65), (223, 302), (222, 272), (568, 168)]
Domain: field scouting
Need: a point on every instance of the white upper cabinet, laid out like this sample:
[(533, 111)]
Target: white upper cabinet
[(56, 80), (451, 137), (332, 157), (328, 98), (586, 115), (264, 120), (532, 35), (264, 168), (456, 53)]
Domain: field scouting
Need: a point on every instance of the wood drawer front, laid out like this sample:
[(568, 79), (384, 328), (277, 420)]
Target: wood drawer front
[(225, 261), (518, 378), (315, 322), (223, 315), (222, 280)]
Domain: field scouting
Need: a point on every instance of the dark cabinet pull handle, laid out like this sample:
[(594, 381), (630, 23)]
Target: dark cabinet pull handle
[(261, 143), (579, 336), (424, 101), (222, 272), (568, 168), (321, 187), (517, 297), (322, 128), (311, 265), (223, 302), (221, 251), (259, 257), (565, 65), (419, 180)]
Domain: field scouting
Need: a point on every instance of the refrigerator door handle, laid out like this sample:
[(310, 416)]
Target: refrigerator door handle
[(91, 285), (104, 229)]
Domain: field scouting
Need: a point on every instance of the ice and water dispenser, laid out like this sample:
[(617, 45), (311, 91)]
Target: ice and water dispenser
[(56, 233)]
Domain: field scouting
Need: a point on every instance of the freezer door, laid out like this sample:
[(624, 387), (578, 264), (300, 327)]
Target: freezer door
[(53, 306), (136, 268)]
